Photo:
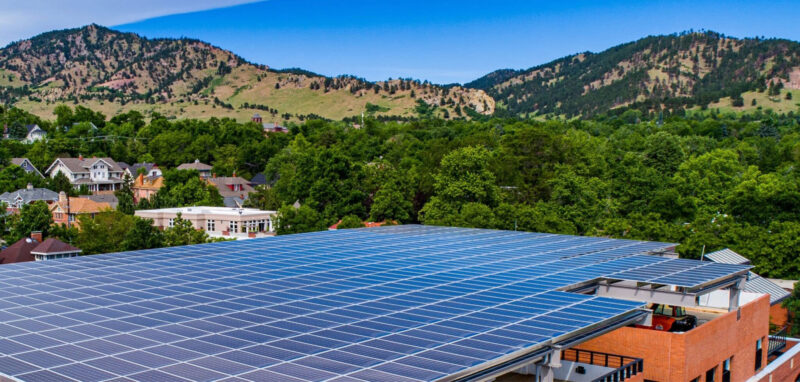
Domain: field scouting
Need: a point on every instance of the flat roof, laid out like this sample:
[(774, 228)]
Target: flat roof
[(398, 303), (208, 211)]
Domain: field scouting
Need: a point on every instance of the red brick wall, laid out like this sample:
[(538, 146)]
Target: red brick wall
[(684, 356), (778, 315), (788, 371)]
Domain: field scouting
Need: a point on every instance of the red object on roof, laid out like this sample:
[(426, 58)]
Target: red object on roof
[(19, 252)]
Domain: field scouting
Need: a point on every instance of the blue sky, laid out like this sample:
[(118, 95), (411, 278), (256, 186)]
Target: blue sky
[(442, 41)]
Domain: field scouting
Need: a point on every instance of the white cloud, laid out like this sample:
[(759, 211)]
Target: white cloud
[(21, 19)]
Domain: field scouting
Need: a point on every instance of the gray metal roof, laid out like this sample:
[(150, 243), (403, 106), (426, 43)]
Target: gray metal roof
[(727, 256), (758, 284), (755, 283)]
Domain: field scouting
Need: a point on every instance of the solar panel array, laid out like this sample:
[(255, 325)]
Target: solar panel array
[(406, 303)]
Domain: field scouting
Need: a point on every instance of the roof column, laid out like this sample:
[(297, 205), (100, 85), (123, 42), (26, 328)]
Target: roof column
[(735, 292)]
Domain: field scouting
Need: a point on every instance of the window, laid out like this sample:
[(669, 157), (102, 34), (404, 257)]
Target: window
[(210, 225), (233, 226), (696, 379), (726, 370), (171, 222), (711, 374), (759, 352)]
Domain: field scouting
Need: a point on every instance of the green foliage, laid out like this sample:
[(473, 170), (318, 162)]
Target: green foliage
[(390, 204), (104, 232), (125, 197), (350, 221), (185, 188), (792, 304), (32, 217), (299, 220), (183, 233)]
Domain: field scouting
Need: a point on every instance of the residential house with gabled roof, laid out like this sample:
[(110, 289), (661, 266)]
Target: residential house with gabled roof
[(149, 170), (202, 168), (233, 189), (144, 187), (26, 165), (35, 133), (33, 248), (98, 174), (28, 195), (67, 209)]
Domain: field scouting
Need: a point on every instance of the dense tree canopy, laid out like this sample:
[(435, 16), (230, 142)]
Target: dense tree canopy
[(704, 180)]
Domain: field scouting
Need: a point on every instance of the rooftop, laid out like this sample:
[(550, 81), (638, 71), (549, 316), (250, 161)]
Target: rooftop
[(185, 211), (398, 303)]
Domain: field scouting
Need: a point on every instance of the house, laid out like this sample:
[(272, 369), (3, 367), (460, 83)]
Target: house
[(144, 187), (34, 249), (148, 169), (274, 128), (258, 180), (35, 133), (26, 165), (217, 221), (67, 209), (257, 118), (28, 195), (202, 168), (233, 189), (98, 174)]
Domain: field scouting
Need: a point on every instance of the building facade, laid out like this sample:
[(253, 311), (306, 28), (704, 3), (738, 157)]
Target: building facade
[(28, 195), (67, 210), (144, 187), (217, 221), (97, 174), (202, 168), (26, 165)]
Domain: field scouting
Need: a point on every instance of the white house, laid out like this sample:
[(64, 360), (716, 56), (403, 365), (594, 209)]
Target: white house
[(98, 174), (236, 223), (35, 133)]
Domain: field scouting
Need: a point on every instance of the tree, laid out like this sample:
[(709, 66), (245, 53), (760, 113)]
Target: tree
[(183, 232), (125, 196), (185, 188), (59, 183), (143, 235), (32, 217), (390, 204), (789, 96), (104, 232), (464, 177), (663, 152), (350, 221), (792, 304), (264, 198), (298, 220)]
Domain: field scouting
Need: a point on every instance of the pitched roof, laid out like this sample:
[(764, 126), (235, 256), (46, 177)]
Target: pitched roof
[(53, 245), (109, 199), (222, 182), (134, 168), (83, 165), (82, 206), (727, 256), (148, 182), (29, 167), (19, 251), (196, 165), (29, 195), (754, 283), (258, 180)]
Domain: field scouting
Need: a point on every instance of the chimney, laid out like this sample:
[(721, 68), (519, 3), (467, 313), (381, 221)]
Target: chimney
[(80, 156), (30, 186), (62, 197), (140, 178), (37, 236), (214, 175), (234, 173)]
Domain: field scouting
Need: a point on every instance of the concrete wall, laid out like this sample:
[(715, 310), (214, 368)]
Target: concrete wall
[(683, 356)]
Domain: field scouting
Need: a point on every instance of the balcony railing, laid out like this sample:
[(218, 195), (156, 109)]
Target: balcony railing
[(777, 342), (624, 367)]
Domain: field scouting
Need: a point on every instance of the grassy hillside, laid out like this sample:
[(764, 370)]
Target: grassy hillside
[(115, 72)]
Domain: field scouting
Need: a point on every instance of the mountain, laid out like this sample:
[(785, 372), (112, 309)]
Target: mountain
[(654, 73), (113, 72)]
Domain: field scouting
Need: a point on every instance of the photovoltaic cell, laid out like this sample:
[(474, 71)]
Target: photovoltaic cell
[(404, 303)]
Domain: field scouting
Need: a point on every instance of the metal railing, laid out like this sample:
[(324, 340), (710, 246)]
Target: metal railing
[(777, 342), (624, 366)]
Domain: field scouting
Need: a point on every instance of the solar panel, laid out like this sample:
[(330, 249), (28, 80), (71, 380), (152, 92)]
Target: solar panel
[(404, 303)]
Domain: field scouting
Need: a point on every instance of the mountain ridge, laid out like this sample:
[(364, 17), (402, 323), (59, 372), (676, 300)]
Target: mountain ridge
[(116, 71), (654, 73)]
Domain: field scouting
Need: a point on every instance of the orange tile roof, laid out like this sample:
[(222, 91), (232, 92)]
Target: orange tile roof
[(147, 183), (82, 206)]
